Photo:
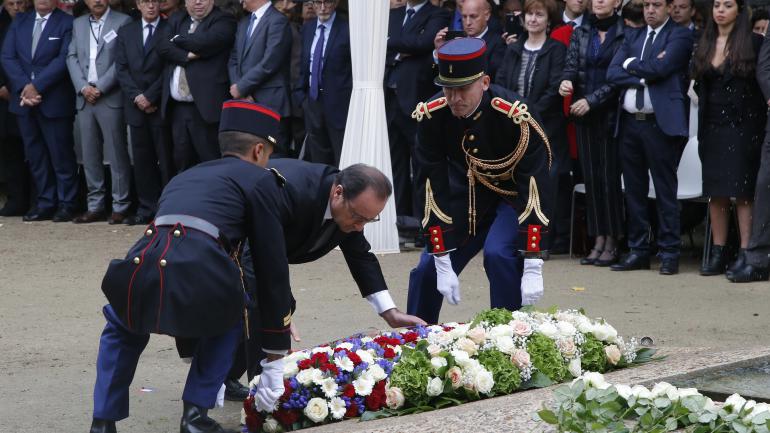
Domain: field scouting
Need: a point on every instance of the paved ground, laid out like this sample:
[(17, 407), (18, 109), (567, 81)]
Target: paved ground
[(50, 318)]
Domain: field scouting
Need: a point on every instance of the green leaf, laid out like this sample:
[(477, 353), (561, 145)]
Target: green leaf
[(671, 424), (548, 416), (662, 402), (538, 380), (372, 415)]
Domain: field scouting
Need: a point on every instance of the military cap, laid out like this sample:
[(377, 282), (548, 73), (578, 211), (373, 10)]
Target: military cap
[(461, 61), (251, 118)]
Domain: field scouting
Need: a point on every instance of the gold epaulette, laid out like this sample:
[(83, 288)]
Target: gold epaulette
[(425, 108), (519, 113)]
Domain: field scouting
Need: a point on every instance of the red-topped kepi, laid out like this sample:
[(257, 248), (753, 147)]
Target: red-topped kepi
[(251, 118), (461, 61)]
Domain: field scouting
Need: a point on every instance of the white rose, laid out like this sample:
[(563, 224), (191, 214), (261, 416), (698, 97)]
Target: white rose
[(337, 408), (640, 391), (566, 329), (271, 425), (316, 409), (584, 325), (434, 350), (500, 331), (548, 329), (329, 387), (567, 347), (521, 328), (605, 332), (505, 345), (459, 331), (461, 358), (363, 386), (624, 391), (440, 338), (520, 358), (477, 334), (710, 406), (484, 382), (435, 387), (344, 363), (290, 369), (467, 346), (613, 354), (519, 315), (438, 362), (305, 377), (376, 373), (749, 405), (325, 349), (759, 409), (394, 397), (365, 356), (455, 375), (575, 367), (660, 389), (595, 380)]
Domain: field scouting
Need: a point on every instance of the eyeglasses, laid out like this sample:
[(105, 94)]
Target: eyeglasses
[(319, 3), (357, 217)]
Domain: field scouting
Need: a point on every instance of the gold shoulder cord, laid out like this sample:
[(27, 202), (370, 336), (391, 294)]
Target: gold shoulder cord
[(486, 171), (432, 206), (234, 256)]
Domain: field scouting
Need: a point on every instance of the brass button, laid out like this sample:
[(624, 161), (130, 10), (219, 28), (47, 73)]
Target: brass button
[(534, 245), (162, 263), (534, 230), (177, 233), (435, 239), (437, 247), (471, 137), (475, 150), (435, 232), (148, 232), (534, 238), (137, 260)]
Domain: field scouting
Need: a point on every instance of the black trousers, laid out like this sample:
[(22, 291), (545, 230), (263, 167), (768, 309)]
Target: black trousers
[(402, 134), (644, 147), (194, 139), (759, 242), (153, 166), (17, 177), (324, 142)]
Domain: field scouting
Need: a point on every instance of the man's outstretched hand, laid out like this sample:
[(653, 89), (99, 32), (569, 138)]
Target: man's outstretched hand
[(397, 319)]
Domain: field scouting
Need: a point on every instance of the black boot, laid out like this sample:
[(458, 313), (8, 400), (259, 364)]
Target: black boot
[(717, 262), (748, 273), (195, 419), (102, 426), (739, 262), (235, 391)]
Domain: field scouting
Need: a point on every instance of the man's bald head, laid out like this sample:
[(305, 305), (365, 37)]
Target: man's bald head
[(475, 15)]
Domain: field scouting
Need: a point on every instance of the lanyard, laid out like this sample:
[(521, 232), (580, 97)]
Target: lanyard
[(96, 35)]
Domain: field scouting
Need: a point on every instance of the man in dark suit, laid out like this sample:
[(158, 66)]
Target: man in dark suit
[(195, 79), (139, 69), (325, 83), (34, 58), (651, 68), (259, 62), (409, 76), (17, 177)]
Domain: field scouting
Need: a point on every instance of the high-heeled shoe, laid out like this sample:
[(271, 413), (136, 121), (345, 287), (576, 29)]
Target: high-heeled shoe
[(716, 263), (588, 260), (608, 262)]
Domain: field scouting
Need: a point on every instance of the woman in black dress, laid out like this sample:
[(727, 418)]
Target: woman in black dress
[(592, 46), (731, 122)]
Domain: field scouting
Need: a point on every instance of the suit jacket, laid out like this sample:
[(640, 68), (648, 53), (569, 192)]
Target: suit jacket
[(207, 75), (260, 66), (79, 52), (413, 74), (495, 50), (336, 72), (664, 74), (47, 70), (763, 71), (137, 77), (5, 24)]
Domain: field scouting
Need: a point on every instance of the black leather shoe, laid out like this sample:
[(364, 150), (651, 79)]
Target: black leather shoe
[(38, 215), (102, 426), (196, 420), (717, 262), (137, 220), (632, 262), (739, 262), (235, 391), (669, 266), (63, 215), (608, 262), (588, 260), (748, 273)]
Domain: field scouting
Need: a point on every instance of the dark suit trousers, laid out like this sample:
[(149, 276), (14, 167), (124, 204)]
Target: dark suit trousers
[(194, 140), (153, 167), (759, 243), (17, 176), (50, 153), (324, 142), (645, 147), (402, 134)]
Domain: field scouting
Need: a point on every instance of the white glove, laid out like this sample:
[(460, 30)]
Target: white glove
[(270, 386), (446, 279), (532, 281)]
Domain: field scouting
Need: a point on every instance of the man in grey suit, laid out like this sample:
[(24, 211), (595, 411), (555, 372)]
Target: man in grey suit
[(259, 62), (91, 64)]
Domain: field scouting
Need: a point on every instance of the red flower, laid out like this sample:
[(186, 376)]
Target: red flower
[(330, 368), (352, 411), (286, 390), (374, 401), (286, 417), (389, 353), (355, 358), (409, 337), (319, 358), (349, 391), (305, 364), (254, 423)]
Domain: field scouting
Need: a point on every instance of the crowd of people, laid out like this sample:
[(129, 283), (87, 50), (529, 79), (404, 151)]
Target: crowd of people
[(138, 88)]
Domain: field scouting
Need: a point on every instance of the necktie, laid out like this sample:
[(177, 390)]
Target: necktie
[(572, 24), (249, 31), (184, 87), (315, 74), (409, 15), (325, 234), (36, 33), (646, 54), (149, 36)]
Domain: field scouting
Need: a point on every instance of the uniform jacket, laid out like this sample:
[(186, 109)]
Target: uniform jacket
[(207, 75), (664, 73), (47, 71), (260, 66), (488, 134), (78, 57), (137, 77)]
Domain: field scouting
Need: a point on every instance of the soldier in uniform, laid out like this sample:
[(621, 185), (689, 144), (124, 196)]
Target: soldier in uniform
[(182, 278), (484, 161)]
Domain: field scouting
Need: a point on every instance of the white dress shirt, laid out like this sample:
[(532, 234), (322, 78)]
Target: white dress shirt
[(95, 34), (175, 78), (258, 14), (629, 101), (146, 31), (45, 20), (327, 30), (578, 21)]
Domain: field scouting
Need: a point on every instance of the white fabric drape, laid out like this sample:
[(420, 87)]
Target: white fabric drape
[(366, 132)]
